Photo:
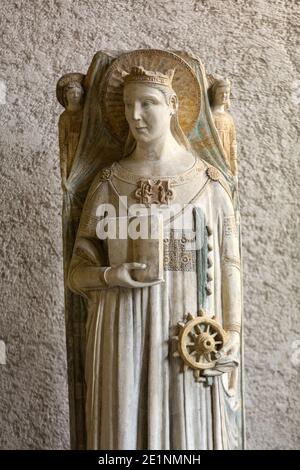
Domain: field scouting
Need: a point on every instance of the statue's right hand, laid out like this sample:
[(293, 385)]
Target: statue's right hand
[(120, 276)]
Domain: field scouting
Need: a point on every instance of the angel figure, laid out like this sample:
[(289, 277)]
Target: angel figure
[(70, 94), (220, 102)]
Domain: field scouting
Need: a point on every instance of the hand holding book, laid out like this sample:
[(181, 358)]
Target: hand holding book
[(122, 276), (137, 260)]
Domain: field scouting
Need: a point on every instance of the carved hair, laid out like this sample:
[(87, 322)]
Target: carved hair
[(175, 127)]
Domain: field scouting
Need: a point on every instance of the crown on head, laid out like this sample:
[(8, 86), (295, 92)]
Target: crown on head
[(139, 74)]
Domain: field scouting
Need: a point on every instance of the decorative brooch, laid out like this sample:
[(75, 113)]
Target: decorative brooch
[(213, 173)]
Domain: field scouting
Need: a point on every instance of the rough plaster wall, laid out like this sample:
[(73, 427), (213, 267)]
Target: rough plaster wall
[(254, 43)]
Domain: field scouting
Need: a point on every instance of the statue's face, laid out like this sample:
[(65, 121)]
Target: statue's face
[(222, 95), (147, 111), (74, 95)]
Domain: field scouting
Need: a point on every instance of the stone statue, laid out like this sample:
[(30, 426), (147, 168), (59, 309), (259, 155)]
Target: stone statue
[(162, 356), (220, 101), (70, 94)]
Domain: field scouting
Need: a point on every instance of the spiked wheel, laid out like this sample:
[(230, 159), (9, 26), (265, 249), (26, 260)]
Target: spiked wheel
[(199, 341)]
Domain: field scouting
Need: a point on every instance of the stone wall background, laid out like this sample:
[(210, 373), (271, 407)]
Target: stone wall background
[(254, 44)]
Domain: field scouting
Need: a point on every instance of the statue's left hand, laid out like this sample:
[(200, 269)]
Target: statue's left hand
[(228, 358), (232, 344)]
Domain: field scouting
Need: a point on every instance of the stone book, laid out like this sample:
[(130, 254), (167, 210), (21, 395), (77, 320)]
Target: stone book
[(139, 239)]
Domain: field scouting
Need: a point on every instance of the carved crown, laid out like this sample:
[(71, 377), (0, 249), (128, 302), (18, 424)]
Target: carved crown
[(139, 74)]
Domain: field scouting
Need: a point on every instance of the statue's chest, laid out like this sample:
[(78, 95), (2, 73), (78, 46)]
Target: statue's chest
[(159, 192)]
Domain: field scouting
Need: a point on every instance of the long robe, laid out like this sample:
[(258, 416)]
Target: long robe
[(226, 130), (138, 397)]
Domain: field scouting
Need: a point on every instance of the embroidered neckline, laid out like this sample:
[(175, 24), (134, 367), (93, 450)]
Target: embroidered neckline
[(128, 176)]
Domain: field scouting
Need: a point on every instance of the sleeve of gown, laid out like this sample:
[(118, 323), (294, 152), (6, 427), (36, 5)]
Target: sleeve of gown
[(230, 266), (88, 263)]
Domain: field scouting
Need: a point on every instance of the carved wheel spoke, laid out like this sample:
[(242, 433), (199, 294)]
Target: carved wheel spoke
[(193, 335), (208, 357), (198, 329), (199, 357)]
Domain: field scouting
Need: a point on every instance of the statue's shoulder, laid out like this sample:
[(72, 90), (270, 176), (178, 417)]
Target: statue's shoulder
[(63, 118), (216, 177), (106, 173), (101, 179)]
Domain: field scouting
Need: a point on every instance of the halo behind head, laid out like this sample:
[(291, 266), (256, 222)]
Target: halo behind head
[(154, 68)]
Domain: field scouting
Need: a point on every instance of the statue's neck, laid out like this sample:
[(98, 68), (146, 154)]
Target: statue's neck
[(158, 151), (163, 156), (74, 107), (220, 108)]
